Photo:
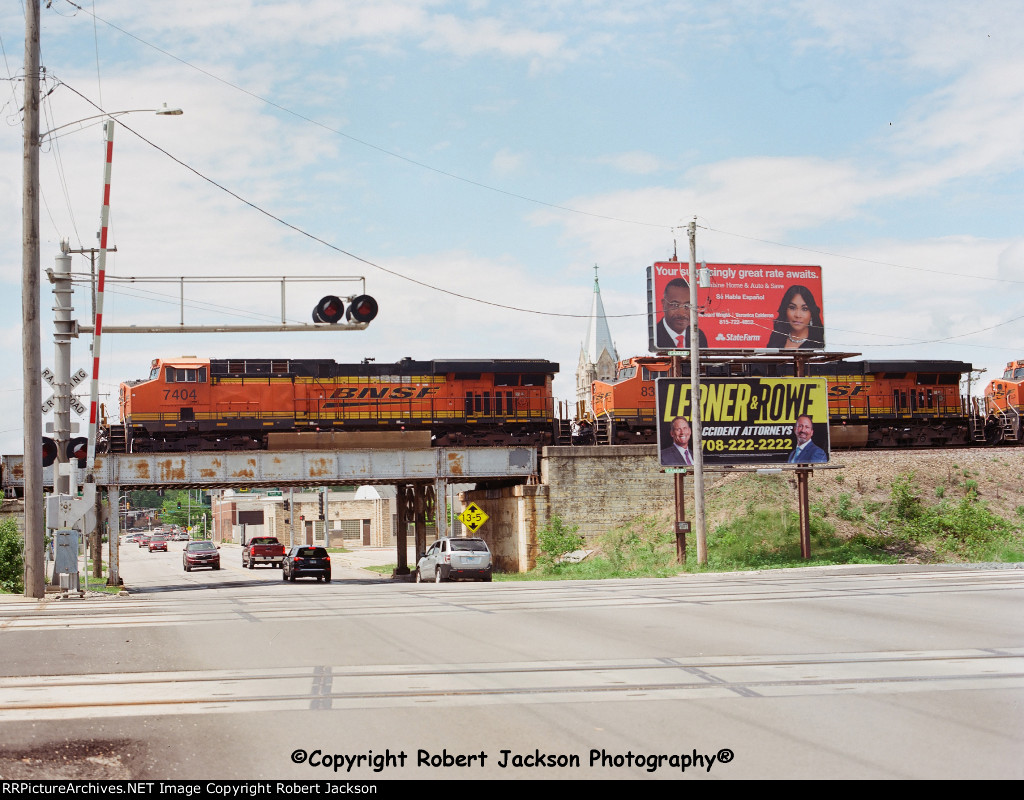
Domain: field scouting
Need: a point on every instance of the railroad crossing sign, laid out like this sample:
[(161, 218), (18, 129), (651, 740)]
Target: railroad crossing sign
[(473, 517), (76, 379)]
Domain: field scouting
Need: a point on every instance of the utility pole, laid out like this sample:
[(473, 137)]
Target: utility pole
[(32, 418), (695, 421)]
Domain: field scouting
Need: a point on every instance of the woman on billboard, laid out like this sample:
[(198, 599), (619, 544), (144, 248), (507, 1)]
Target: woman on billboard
[(798, 326)]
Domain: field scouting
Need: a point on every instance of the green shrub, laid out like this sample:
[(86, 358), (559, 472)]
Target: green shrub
[(555, 539), (905, 502), (847, 510), (644, 547), (12, 557)]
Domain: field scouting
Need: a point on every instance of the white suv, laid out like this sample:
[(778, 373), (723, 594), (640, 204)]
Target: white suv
[(449, 559)]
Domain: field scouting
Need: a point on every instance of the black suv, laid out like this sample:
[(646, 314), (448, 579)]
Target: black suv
[(303, 560)]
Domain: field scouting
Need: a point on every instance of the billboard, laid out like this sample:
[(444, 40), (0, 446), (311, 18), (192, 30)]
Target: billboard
[(745, 421), (747, 307)]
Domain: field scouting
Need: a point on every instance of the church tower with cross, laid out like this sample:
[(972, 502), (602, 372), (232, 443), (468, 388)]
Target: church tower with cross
[(597, 353)]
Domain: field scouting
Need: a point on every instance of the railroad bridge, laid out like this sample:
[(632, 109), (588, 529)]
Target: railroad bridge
[(594, 488)]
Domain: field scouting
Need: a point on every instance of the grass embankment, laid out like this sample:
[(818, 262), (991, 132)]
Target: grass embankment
[(761, 531)]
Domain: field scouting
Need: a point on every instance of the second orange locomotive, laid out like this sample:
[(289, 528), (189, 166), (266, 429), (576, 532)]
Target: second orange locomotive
[(871, 403)]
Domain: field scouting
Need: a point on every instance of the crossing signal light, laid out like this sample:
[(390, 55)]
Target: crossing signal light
[(362, 309), (330, 309), (49, 451), (78, 450)]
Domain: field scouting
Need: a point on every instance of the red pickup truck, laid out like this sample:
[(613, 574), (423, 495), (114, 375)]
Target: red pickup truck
[(262, 550)]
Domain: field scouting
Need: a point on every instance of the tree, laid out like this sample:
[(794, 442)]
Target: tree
[(12, 557)]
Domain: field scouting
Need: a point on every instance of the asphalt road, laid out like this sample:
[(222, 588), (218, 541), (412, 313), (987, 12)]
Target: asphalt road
[(829, 673)]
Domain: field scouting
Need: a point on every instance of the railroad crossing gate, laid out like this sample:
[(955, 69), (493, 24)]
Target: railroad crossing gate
[(473, 517)]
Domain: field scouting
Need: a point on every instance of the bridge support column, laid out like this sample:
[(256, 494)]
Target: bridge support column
[(441, 507), (406, 514)]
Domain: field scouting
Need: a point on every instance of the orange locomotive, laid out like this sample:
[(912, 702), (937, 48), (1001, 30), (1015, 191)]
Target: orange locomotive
[(192, 403), (871, 403), (1003, 405)]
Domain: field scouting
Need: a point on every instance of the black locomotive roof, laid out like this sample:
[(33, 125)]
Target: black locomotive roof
[(876, 367), (326, 368)]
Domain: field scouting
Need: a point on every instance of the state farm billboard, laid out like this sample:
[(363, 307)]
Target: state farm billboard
[(748, 307), (745, 421)]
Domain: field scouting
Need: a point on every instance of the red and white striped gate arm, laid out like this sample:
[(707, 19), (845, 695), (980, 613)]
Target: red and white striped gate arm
[(108, 139)]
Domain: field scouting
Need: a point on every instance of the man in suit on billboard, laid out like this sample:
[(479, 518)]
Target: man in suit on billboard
[(678, 453), (673, 329), (806, 451)]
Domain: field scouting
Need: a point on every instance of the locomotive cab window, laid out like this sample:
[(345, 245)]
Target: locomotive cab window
[(186, 375)]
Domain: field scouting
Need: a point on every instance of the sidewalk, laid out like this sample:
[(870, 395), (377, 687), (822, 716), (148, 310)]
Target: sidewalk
[(373, 557)]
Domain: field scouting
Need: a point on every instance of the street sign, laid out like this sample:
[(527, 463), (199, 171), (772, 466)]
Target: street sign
[(473, 517)]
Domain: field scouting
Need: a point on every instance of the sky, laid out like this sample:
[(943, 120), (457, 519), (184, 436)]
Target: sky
[(498, 152)]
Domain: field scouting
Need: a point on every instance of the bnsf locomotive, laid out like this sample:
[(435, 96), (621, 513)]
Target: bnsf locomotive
[(1003, 405), (871, 403), (192, 403)]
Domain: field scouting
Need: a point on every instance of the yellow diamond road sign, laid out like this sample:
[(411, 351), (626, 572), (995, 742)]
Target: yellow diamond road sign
[(473, 517)]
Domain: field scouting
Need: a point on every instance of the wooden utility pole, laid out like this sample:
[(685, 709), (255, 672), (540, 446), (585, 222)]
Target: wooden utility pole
[(35, 580)]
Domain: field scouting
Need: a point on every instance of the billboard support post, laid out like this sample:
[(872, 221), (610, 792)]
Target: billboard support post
[(680, 481), (680, 486), (803, 500), (805, 520), (695, 420)]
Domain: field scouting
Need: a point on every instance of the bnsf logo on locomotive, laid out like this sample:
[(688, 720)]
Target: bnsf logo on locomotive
[(378, 393)]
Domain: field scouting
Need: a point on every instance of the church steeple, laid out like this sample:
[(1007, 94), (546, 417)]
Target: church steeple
[(597, 353)]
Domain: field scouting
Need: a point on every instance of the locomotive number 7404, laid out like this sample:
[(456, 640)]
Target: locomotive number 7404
[(180, 394)]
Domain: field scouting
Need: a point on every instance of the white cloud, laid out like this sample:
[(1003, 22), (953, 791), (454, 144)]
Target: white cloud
[(635, 162), (506, 162)]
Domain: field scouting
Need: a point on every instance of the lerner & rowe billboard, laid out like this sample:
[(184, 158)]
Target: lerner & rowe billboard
[(745, 421), (748, 307)]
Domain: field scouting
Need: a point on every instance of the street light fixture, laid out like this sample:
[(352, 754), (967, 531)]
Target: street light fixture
[(163, 111), (32, 371)]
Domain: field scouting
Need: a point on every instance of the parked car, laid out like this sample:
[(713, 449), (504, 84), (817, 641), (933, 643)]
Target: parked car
[(451, 559), (301, 561), (200, 554), (158, 541)]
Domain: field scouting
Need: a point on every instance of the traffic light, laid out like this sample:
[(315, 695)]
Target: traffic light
[(287, 506), (49, 451), (323, 505), (362, 309), (330, 309)]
